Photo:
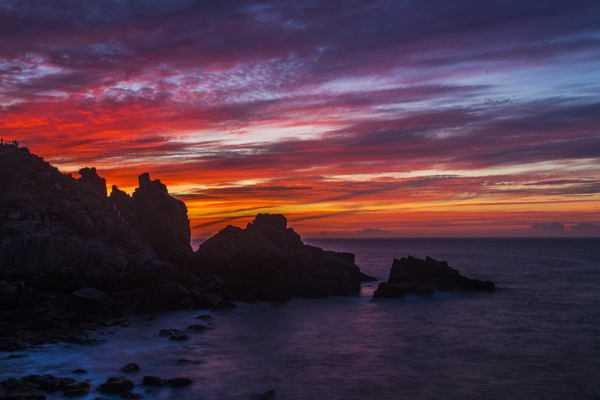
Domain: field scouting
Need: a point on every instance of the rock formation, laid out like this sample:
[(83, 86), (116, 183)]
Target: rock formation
[(69, 254), (268, 261), (424, 277)]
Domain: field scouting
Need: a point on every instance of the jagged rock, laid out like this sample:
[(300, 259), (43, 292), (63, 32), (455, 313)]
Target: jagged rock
[(412, 275), (268, 261), (117, 385), (161, 219), (92, 183)]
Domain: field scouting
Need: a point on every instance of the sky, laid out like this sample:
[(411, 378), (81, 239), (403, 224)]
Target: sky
[(352, 118)]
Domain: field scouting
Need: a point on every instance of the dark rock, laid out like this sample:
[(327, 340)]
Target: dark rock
[(117, 385), (77, 389), (130, 368), (268, 261), (30, 385), (270, 395), (18, 356), (170, 332), (15, 389), (423, 277), (79, 371), (387, 290), (179, 338), (129, 395), (184, 361), (179, 382), (198, 328), (154, 381), (88, 300)]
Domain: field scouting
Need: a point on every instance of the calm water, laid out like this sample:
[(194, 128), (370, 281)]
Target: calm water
[(537, 337)]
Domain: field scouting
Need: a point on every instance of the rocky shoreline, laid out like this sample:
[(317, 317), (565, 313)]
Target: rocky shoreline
[(127, 382), (74, 258), (76, 262)]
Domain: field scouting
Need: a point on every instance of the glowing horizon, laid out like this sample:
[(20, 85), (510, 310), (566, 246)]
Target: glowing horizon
[(375, 118)]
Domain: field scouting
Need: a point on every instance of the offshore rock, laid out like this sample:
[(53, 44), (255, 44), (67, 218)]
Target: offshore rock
[(268, 261), (424, 277)]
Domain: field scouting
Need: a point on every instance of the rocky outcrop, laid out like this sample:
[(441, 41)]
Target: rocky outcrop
[(424, 277), (64, 231), (91, 183), (268, 261)]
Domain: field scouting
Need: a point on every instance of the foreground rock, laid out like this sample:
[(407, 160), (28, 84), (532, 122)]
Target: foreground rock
[(424, 277), (268, 261), (33, 386)]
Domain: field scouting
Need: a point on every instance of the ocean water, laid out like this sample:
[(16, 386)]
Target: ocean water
[(536, 337)]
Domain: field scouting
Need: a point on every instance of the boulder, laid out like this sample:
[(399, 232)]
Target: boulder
[(179, 382), (198, 328), (89, 300), (130, 368), (117, 385), (179, 338), (154, 381)]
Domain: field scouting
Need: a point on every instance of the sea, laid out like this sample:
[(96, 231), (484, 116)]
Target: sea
[(536, 337)]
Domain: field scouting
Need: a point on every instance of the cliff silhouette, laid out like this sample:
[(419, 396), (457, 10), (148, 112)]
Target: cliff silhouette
[(71, 254)]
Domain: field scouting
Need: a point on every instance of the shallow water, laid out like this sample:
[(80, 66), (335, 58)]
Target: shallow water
[(538, 336)]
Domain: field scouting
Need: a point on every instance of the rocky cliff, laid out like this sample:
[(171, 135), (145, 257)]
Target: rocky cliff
[(64, 233)]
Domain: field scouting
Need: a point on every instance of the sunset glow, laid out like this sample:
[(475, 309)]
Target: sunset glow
[(356, 118)]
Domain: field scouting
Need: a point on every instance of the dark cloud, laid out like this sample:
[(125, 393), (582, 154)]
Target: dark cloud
[(587, 228), (544, 227)]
